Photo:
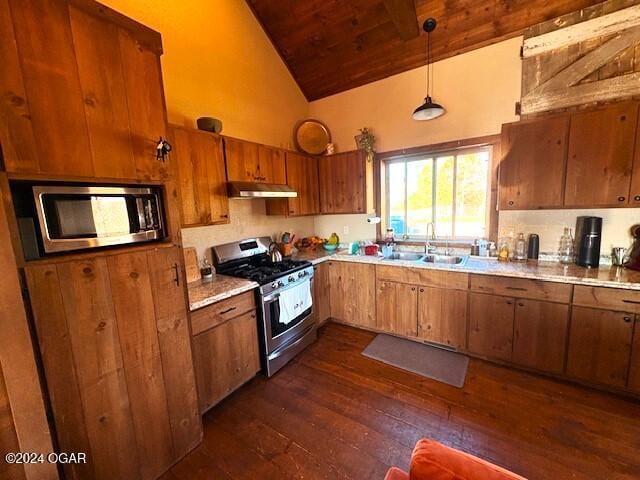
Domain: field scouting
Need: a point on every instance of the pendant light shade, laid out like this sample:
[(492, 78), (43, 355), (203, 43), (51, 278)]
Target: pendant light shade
[(429, 109)]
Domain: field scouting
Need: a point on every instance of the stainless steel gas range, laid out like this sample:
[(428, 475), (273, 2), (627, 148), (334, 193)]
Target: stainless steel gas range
[(286, 324)]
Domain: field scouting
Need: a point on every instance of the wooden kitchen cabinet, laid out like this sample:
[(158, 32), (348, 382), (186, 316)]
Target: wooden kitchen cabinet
[(540, 335), (102, 111), (321, 293), (302, 176), (633, 383), (600, 158), (251, 162), (634, 195), (397, 308), (600, 346), (531, 172), (343, 187), (226, 356), (353, 288), (491, 320), (199, 160), (442, 316), (115, 346)]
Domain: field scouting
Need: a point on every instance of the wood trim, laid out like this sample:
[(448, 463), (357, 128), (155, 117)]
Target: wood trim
[(493, 141)]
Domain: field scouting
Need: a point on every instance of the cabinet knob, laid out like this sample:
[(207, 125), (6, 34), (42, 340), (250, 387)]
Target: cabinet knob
[(627, 319), (509, 302), (510, 202), (520, 304), (226, 215), (413, 289), (621, 198), (422, 290), (636, 198)]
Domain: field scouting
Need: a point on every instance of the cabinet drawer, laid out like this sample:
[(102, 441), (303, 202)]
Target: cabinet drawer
[(212, 315), (423, 276), (608, 298), (521, 288)]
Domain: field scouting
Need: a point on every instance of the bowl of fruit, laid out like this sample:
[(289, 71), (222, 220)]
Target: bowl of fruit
[(331, 245), (309, 244)]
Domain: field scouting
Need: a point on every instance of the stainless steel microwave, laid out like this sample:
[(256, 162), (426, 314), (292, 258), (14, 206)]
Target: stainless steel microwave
[(74, 217)]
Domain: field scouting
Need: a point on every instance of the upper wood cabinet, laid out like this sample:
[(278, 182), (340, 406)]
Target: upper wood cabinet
[(81, 92), (199, 162), (533, 163), (397, 308), (302, 176), (343, 187), (634, 195), (601, 148), (252, 162), (600, 345), (116, 352)]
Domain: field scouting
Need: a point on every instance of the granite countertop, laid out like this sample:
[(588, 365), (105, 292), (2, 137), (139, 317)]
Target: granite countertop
[(605, 276), (205, 292)]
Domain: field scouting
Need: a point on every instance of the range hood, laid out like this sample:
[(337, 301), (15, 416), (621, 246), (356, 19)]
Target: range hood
[(260, 190)]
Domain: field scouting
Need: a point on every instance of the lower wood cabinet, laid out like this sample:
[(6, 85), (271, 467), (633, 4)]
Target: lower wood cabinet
[(634, 368), (321, 293), (540, 335), (491, 321), (114, 338), (600, 346), (226, 356), (442, 316), (397, 308), (353, 288)]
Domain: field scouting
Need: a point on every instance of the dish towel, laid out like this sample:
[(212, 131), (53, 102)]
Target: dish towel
[(294, 301)]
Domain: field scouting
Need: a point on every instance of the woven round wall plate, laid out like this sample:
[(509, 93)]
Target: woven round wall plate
[(312, 137)]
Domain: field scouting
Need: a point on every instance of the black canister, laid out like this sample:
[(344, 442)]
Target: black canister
[(533, 247), (588, 238)]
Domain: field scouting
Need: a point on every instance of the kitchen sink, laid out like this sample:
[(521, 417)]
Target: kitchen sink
[(408, 256), (445, 259)]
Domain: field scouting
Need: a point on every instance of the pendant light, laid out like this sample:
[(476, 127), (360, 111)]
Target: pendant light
[(428, 110)]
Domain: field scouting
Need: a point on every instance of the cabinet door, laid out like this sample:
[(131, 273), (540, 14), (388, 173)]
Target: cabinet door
[(634, 367), (540, 335), (442, 316), (533, 163), (51, 82), (225, 358), (145, 97), (397, 308), (599, 346), (104, 94), (342, 183), (353, 288), (241, 159), (634, 196), (601, 156), (491, 326), (271, 165), (201, 177), (321, 293), (302, 176)]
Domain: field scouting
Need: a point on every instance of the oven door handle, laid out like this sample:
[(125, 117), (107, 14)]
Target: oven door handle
[(282, 349), (271, 298)]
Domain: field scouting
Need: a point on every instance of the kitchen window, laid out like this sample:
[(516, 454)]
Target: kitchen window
[(450, 189)]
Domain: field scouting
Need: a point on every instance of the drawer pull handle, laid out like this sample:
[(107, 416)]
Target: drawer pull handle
[(519, 289), (227, 310), (634, 302), (177, 277)]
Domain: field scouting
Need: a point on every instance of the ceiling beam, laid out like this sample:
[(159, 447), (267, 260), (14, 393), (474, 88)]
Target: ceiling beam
[(404, 17)]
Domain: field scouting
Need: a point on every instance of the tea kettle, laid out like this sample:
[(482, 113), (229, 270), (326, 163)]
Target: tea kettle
[(274, 253)]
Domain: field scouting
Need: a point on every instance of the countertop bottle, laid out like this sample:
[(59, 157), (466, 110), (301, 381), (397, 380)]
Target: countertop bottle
[(566, 251), (503, 250), (520, 251)]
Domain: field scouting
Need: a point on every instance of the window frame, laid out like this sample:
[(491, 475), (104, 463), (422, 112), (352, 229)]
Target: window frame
[(489, 142)]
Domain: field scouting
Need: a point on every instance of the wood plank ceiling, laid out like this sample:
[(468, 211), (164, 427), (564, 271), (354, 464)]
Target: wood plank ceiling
[(334, 45)]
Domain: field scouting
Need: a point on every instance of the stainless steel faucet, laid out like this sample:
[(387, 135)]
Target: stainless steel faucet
[(428, 248)]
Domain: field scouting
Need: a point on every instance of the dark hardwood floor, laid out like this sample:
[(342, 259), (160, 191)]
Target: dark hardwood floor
[(333, 413)]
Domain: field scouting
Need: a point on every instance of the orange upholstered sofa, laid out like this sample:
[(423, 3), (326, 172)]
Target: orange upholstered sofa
[(433, 461)]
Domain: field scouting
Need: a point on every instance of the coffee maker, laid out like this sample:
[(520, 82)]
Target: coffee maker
[(588, 238)]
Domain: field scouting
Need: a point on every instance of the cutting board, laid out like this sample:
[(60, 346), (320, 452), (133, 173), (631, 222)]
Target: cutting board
[(191, 264)]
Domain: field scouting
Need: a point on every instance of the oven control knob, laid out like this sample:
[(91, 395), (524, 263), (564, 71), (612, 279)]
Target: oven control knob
[(274, 285), (280, 283), (302, 274), (292, 278)]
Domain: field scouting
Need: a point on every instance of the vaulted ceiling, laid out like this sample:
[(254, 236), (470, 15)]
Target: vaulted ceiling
[(334, 45)]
